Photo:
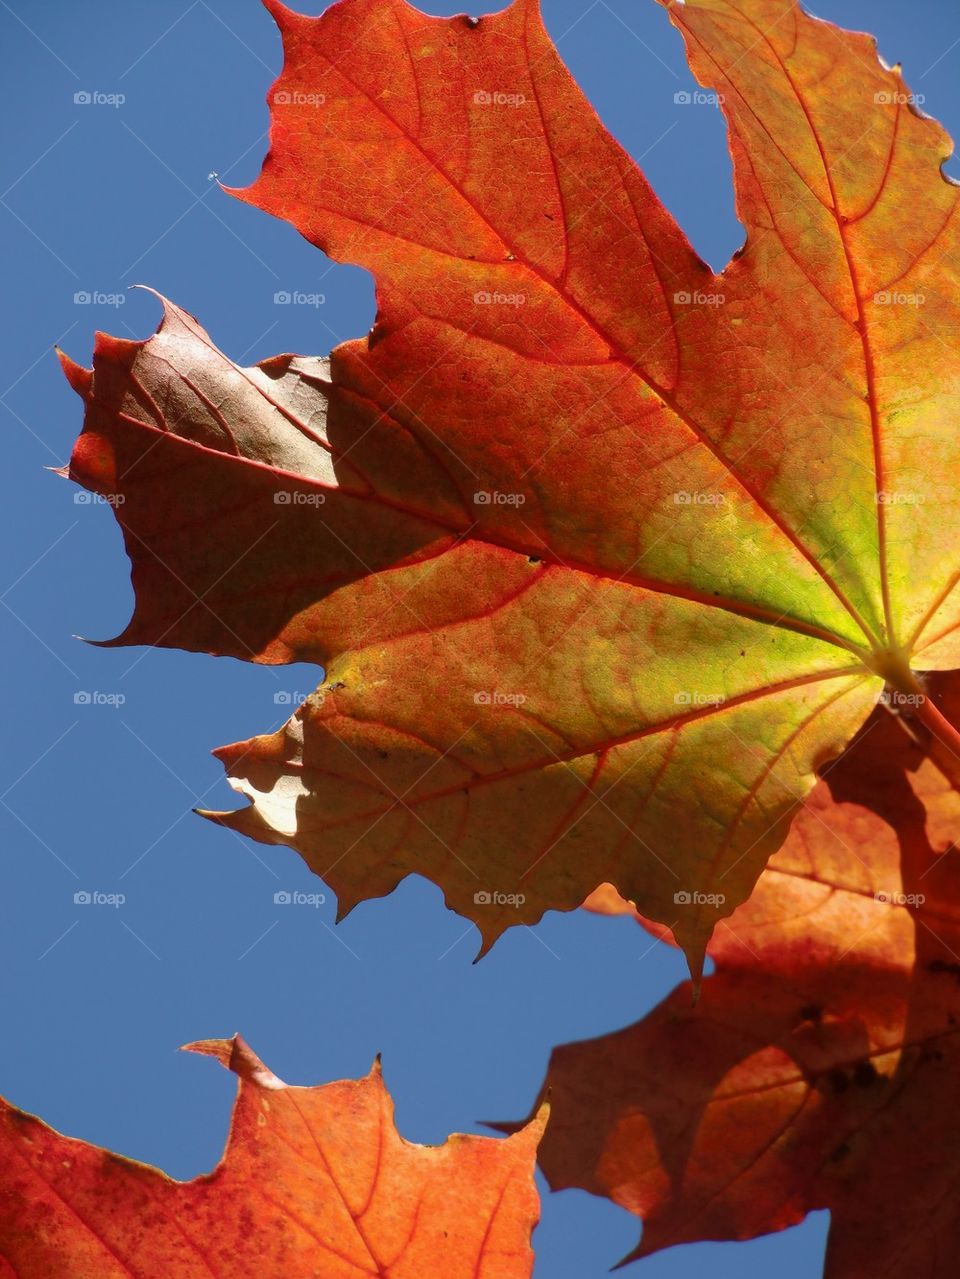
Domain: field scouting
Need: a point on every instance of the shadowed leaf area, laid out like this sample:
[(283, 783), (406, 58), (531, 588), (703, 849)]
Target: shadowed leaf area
[(821, 1066)]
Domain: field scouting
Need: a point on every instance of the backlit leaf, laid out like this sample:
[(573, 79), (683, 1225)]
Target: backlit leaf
[(821, 1067), (604, 554), (314, 1182)]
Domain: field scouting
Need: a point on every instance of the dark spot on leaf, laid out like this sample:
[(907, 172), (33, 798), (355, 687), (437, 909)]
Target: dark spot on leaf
[(811, 1012), (838, 1080), (865, 1074), (841, 1152), (533, 559)]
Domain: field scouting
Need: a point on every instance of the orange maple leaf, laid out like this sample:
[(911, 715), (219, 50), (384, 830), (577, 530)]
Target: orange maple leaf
[(604, 554), (314, 1181)]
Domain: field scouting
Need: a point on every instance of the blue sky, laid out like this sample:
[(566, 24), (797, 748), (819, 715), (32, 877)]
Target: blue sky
[(97, 796)]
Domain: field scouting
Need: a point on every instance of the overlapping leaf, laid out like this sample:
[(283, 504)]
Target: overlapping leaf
[(604, 554), (314, 1181), (821, 1068)]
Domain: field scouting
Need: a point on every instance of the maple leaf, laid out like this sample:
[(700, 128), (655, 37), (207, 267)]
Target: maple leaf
[(313, 1181), (821, 1069), (604, 554)]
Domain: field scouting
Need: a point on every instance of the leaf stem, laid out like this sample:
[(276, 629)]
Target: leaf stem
[(940, 728), (943, 747)]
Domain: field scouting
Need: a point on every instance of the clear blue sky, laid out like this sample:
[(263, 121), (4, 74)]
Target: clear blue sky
[(96, 999)]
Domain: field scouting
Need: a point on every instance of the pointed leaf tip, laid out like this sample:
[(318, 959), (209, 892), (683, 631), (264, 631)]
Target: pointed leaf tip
[(696, 958), (80, 379), (280, 12), (212, 815), (236, 1055), (638, 1253)]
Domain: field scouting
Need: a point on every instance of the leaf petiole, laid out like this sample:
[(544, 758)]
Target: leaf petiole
[(943, 732)]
